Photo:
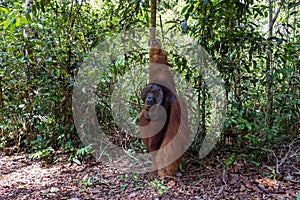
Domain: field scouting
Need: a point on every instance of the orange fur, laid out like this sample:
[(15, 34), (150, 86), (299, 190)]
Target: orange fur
[(169, 143)]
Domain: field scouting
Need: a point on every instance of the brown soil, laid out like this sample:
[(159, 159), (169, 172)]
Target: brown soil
[(23, 178)]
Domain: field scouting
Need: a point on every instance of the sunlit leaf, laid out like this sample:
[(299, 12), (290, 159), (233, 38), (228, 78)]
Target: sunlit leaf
[(18, 21), (6, 24), (5, 10)]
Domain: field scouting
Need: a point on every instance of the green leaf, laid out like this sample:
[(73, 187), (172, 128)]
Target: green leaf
[(12, 27), (28, 17), (255, 163), (249, 127), (24, 20), (40, 128), (5, 10), (184, 9), (123, 187), (230, 160), (6, 24), (227, 124), (122, 176), (18, 21), (241, 126)]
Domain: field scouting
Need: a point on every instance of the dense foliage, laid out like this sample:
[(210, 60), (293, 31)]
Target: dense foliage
[(44, 42)]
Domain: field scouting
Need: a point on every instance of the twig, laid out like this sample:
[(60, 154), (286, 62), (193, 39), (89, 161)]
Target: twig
[(279, 163), (223, 177)]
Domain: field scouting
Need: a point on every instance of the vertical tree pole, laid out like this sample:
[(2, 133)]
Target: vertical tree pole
[(153, 24), (159, 71)]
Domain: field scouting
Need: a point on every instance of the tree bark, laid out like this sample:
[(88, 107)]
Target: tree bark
[(153, 23)]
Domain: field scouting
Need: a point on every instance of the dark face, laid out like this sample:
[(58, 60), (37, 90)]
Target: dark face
[(151, 95)]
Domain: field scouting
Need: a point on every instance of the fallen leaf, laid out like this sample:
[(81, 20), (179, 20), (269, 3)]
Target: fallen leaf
[(267, 182), (243, 188)]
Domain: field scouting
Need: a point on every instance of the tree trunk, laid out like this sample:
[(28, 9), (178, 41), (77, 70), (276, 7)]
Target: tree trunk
[(152, 23)]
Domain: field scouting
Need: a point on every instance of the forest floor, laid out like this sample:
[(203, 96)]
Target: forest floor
[(24, 178)]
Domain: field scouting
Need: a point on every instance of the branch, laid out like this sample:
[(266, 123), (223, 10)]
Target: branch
[(274, 19)]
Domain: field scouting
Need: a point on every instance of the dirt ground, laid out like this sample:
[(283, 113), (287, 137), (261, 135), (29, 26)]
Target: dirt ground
[(24, 178)]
